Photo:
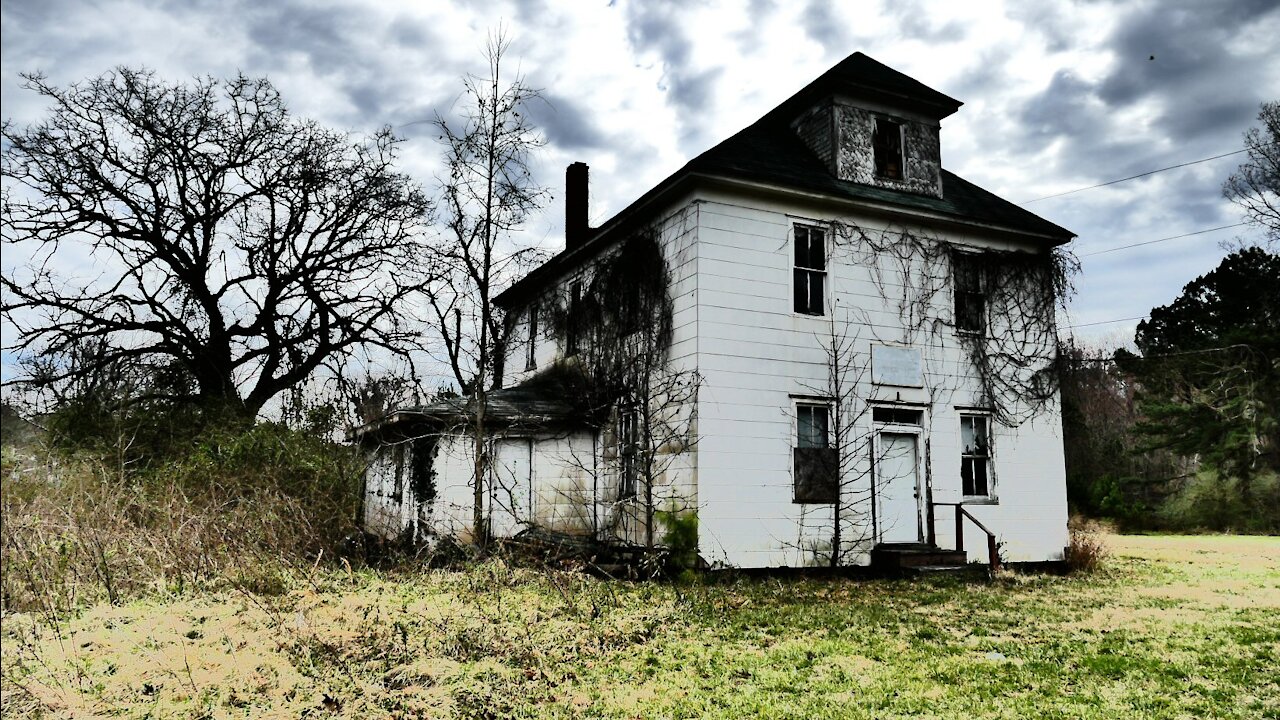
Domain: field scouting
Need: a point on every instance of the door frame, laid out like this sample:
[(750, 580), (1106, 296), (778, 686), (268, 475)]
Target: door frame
[(916, 431), (495, 505)]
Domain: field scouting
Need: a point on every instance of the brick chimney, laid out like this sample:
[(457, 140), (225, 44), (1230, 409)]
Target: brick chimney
[(576, 229)]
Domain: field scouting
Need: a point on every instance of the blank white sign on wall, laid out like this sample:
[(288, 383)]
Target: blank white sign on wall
[(896, 366)]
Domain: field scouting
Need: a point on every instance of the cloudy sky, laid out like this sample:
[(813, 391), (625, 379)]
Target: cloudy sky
[(1059, 97)]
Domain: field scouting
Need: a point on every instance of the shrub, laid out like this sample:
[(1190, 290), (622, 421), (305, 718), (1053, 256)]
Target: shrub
[(1208, 501), (680, 535), (1086, 551)]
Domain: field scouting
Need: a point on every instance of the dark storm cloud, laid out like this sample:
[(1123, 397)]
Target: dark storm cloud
[(1070, 110), (1062, 109), (1186, 60), (660, 28), (821, 23), (1049, 22), (566, 124), (323, 35), (914, 23), (35, 13), (412, 34)]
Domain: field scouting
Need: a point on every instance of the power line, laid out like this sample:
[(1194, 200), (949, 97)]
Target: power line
[(1106, 322), (1135, 177), (1171, 237)]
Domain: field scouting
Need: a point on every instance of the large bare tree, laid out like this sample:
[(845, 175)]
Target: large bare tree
[(216, 233)]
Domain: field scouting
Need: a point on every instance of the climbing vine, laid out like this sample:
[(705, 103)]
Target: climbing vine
[(616, 320), (1013, 348)]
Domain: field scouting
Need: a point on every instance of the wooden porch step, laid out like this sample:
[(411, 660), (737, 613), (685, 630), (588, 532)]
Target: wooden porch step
[(902, 556)]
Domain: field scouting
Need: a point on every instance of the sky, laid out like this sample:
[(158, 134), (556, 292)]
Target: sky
[(1058, 95)]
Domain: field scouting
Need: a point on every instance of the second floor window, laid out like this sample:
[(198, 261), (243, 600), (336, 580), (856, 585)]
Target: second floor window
[(530, 361), (810, 270), (970, 296), (571, 323)]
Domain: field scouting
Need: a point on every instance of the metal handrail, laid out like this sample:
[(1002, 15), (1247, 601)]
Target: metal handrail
[(993, 552)]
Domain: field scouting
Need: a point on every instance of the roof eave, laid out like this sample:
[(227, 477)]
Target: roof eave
[(890, 209)]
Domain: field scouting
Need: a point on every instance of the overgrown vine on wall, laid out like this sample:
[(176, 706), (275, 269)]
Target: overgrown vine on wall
[(618, 319), (1014, 352)]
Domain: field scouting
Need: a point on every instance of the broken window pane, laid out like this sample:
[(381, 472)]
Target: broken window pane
[(975, 455), (810, 270), (970, 296), (886, 144), (628, 453), (811, 426)]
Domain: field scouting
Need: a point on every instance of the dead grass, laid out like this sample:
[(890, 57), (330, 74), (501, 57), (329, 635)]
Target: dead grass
[(76, 533), (1086, 551), (1168, 627)]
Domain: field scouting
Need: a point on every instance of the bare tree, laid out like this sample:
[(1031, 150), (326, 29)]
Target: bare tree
[(487, 195), (1255, 186), (231, 242)]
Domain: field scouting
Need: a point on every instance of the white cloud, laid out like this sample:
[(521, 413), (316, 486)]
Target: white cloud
[(653, 84)]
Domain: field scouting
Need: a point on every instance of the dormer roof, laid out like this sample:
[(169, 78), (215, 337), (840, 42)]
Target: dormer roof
[(859, 76)]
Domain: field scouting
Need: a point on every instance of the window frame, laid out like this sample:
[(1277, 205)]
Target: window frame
[(965, 265), (572, 338), (984, 453), (627, 439), (901, 127), (814, 458), (807, 272), (531, 348)]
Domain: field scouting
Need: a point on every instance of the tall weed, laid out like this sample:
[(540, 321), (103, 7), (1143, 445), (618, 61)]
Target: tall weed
[(240, 509)]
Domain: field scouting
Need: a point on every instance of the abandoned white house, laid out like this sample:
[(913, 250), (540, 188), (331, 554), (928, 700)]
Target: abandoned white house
[(811, 338)]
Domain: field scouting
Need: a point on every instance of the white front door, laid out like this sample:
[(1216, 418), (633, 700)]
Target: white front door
[(511, 487), (898, 487)]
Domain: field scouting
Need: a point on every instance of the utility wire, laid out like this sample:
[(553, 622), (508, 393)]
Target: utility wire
[(1135, 177), (1171, 237), (1106, 322)]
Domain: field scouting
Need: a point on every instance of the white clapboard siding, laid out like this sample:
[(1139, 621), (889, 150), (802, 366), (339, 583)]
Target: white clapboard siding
[(755, 354)]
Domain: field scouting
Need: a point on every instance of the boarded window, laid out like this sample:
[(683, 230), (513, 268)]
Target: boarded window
[(816, 471), (886, 143), (628, 453), (810, 270), (975, 455), (897, 415), (970, 296)]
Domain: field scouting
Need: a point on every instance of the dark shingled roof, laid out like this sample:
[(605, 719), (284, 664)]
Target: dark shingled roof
[(862, 76), (545, 400), (769, 152)]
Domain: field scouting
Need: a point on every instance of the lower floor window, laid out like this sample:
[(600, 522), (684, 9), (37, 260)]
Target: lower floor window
[(975, 455), (816, 472), (628, 453)]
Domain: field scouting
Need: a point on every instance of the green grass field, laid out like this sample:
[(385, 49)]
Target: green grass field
[(1171, 627)]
